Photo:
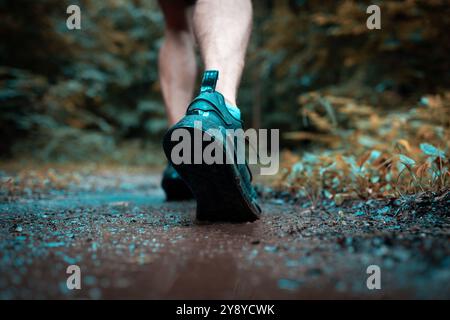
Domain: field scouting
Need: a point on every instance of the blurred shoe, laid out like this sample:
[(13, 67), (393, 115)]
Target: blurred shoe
[(174, 187), (223, 191)]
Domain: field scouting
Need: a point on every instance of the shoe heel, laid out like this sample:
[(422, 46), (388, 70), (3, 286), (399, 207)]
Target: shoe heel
[(217, 187)]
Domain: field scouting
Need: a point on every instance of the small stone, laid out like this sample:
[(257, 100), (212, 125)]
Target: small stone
[(289, 284), (271, 248)]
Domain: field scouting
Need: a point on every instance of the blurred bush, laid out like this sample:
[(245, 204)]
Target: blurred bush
[(305, 45), (77, 94)]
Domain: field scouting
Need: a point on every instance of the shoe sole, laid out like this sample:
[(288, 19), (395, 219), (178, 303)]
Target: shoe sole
[(218, 188)]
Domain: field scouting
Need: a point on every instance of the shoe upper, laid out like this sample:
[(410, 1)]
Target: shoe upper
[(212, 103)]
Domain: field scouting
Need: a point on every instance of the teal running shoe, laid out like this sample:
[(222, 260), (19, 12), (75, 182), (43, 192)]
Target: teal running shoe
[(223, 191)]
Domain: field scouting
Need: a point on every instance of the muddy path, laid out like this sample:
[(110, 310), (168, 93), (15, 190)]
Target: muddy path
[(130, 243)]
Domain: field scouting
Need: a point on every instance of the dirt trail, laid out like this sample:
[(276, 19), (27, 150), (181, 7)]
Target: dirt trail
[(130, 243)]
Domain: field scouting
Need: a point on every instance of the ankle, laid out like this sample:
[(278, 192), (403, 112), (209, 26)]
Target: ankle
[(230, 102), (234, 110)]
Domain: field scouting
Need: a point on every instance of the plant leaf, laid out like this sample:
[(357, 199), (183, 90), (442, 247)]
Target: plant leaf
[(407, 160), (431, 150)]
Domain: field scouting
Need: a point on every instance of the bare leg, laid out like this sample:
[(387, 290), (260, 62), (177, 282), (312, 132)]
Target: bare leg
[(177, 65), (222, 29)]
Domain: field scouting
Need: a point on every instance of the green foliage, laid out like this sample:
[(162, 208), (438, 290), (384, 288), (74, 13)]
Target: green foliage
[(367, 155), (71, 94)]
